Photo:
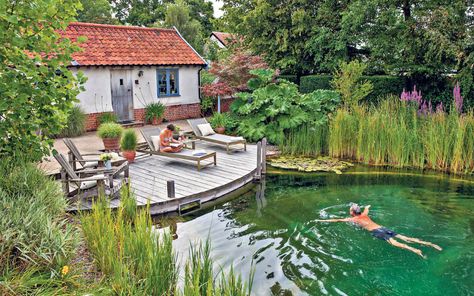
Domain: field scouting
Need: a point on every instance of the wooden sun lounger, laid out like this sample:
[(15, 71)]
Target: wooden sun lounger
[(227, 141), (185, 154)]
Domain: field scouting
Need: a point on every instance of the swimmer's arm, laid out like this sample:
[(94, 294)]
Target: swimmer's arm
[(336, 220), (366, 210)]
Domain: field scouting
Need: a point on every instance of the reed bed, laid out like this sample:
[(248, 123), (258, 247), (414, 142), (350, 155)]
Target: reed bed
[(306, 141), (138, 260), (394, 133)]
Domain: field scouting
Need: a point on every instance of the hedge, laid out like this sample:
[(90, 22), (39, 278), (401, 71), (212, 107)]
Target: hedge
[(383, 84), (290, 78)]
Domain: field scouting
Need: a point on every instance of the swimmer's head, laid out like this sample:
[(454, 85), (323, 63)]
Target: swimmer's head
[(355, 210)]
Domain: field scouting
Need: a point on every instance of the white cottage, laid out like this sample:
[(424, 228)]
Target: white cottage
[(129, 67)]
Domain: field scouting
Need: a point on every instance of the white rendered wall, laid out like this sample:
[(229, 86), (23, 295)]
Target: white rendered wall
[(97, 96), (145, 91)]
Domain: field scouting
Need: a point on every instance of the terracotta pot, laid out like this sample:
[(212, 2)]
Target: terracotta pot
[(220, 130), (111, 144), (156, 121), (129, 155)]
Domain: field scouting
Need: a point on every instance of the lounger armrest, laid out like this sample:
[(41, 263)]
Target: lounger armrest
[(122, 168), (85, 160), (94, 178), (90, 154)]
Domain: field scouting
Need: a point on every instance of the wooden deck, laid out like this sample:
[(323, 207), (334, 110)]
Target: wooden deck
[(149, 176)]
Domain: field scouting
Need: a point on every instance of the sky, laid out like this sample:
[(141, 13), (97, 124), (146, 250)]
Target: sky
[(217, 7)]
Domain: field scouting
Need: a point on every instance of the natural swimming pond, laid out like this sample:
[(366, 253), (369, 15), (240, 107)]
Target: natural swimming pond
[(294, 255)]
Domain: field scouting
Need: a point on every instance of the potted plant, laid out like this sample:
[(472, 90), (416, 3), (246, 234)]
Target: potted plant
[(129, 145), (107, 159), (154, 113), (110, 134), (219, 122)]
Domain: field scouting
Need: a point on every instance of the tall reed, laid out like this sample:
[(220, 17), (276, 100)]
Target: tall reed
[(138, 260), (395, 134), (306, 141)]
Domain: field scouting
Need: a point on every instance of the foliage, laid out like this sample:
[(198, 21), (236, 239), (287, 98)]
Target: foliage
[(178, 15), (129, 140), (202, 11), (107, 117), (311, 83), (207, 106), (37, 88), (96, 11), (138, 12), (233, 72), (34, 233), (76, 123), (290, 78), (306, 35), (110, 130), (139, 260), (346, 81), (275, 107), (422, 40), (154, 110), (219, 120)]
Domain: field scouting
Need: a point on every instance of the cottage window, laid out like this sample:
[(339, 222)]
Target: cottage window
[(168, 82)]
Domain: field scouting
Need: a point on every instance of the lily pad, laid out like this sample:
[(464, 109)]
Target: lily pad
[(310, 164)]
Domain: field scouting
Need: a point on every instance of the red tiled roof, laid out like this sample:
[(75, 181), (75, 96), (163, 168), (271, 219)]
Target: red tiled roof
[(127, 45), (224, 38)]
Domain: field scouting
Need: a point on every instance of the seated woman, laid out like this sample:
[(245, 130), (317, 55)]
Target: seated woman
[(166, 140)]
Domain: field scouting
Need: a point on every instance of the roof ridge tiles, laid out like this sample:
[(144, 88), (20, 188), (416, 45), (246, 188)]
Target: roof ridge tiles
[(120, 26)]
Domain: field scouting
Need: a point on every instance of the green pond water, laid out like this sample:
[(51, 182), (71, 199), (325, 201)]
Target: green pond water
[(274, 228)]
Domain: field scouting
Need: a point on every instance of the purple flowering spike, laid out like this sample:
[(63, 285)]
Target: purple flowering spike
[(458, 99), (440, 108)]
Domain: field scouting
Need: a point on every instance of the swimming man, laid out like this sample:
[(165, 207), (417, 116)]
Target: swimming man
[(363, 220)]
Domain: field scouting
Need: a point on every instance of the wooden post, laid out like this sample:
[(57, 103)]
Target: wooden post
[(264, 156), (259, 161), (170, 189)]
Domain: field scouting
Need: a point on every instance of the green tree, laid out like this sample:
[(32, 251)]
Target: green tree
[(202, 11), (178, 15), (297, 36), (139, 12), (37, 89), (96, 11)]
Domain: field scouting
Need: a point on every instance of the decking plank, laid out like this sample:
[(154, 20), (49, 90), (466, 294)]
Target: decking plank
[(149, 175)]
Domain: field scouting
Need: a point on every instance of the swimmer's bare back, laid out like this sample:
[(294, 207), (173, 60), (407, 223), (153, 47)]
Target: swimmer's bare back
[(363, 220)]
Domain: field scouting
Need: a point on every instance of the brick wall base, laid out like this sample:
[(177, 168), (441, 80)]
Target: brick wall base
[(175, 112)]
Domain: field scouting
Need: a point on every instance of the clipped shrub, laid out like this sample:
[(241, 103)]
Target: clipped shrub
[(311, 83), (290, 78), (76, 123), (110, 130), (129, 140), (383, 85), (107, 117)]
